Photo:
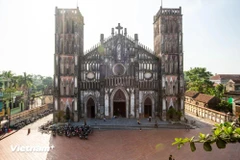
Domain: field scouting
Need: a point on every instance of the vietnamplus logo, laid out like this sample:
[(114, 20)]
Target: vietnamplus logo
[(20, 148)]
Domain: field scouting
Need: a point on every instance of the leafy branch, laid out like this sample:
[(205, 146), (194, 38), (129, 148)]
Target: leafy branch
[(222, 134)]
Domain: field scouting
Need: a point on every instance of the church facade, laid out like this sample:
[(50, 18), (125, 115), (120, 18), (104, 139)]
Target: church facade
[(119, 76)]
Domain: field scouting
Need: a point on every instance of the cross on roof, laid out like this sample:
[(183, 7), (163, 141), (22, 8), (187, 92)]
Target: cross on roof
[(119, 27)]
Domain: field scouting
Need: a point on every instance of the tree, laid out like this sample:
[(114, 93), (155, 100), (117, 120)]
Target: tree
[(37, 81), (186, 81), (222, 134), (219, 91), (41, 82), (47, 81), (59, 115), (25, 82), (10, 90), (11, 81), (198, 80), (173, 114), (224, 106), (7, 75), (10, 86)]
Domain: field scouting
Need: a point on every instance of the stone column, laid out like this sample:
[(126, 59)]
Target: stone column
[(140, 104), (75, 118), (75, 110), (82, 105), (132, 103), (106, 110), (164, 109)]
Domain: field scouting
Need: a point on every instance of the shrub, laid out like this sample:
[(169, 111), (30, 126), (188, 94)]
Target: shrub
[(173, 114)]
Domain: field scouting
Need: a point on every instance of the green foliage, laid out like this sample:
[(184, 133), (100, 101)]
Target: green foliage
[(222, 134), (47, 81), (219, 91), (173, 114), (10, 84), (25, 83), (60, 115), (41, 82), (198, 80), (224, 106)]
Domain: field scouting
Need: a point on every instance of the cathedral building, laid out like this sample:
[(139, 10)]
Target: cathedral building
[(119, 76)]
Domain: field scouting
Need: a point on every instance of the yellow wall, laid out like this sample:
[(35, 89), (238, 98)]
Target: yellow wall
[(2, 113)]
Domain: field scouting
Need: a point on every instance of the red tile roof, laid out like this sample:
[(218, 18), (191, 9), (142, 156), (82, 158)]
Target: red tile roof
[(236, 80), (225, 76), (191, 93), (203, 98), (232, 93)]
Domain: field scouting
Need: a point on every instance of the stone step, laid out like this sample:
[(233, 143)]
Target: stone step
[(168, 126)]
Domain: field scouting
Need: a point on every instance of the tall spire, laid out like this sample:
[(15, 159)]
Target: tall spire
[(161, 3), (77, 3)]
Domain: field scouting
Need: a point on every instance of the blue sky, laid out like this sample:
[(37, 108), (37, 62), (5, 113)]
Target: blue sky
[(211, 30)]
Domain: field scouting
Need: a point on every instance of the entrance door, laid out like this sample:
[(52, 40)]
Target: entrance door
[(119, 109), (119, 104), (147, 108), (90, 108), (67, 113)]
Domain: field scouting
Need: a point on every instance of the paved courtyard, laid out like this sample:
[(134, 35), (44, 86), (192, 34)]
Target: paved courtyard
[(148, 144)]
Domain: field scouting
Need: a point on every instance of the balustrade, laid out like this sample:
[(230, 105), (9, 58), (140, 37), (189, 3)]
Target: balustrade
[(206, 113)]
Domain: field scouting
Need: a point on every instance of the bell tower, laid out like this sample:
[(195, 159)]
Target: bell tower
[(169, 48), (67, 62)]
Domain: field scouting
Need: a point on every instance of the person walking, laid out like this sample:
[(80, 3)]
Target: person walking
[(28, 131), (170, 157)]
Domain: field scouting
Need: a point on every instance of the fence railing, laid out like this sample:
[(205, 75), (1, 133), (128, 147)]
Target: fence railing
[(206, 113), (27, 114)]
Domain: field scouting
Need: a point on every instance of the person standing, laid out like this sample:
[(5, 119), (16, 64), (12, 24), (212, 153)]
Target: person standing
[(138, 121), (149, 118), (170, 157)]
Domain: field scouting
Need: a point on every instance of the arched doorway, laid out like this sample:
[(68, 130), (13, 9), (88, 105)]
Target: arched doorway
[(119, 104), (90, 108), (67, 113), (147, 107), (170, 112)]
